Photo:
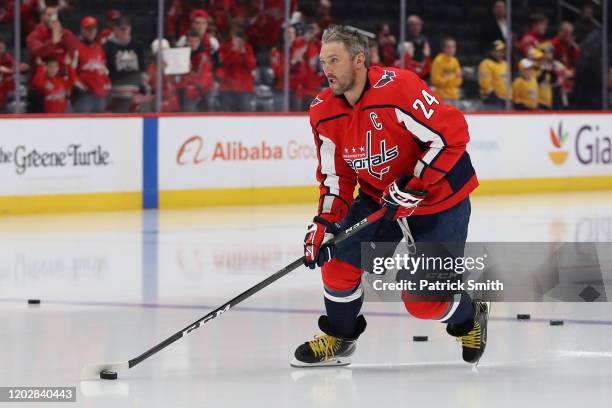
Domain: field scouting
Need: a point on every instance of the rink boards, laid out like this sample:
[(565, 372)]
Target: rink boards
[(80, 163)]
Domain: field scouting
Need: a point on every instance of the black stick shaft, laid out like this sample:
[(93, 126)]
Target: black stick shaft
[(251, 291)]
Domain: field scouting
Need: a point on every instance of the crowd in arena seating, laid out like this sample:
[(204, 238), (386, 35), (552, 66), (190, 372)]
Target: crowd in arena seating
[(237, 59)]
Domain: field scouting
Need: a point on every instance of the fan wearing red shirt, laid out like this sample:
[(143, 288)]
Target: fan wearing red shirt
[(386, 131), (93, 84), (50, 39), (7, 69), (277, 63), (52, 86), (237, 64), (535, 35), (196, 85), (311, 77)]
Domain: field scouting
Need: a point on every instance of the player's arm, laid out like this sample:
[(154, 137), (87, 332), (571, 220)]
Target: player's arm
[(440, 127), (336, 179), (337, 183)]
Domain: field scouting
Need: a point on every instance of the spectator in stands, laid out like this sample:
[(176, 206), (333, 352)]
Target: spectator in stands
[(93, 83), (169, 102), (125, 57), (7, 82), (324, 19), (588, 74), (495, 29), (178, 17), (208, 44), (375, 60), (237, 63), (277, 63), (49, 38), (264, 27), (550, 74), (311, 75), (229, 13), (492, 77), (586, 23), (7, 69), (53, 86), (525, 87), (417, 54), (446, 74), (564, 43), (29, 10), (111, 19), (386, 45), (196, 86), (535, 35)]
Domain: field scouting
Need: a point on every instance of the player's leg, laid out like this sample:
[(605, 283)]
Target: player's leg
[(465, 318), (343, 294)]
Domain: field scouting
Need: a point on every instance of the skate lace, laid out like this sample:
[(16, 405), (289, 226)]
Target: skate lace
[(472, 339), (325, 345)]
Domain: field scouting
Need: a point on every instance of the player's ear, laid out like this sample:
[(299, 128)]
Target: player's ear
[(360, 58)]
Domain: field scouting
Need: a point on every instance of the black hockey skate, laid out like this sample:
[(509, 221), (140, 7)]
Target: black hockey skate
[(473, 335), (328, 349)]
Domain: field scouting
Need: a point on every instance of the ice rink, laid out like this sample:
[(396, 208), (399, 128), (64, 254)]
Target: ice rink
[(114, 284)]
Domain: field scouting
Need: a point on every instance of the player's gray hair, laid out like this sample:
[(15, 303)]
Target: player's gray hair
[(354, 41)]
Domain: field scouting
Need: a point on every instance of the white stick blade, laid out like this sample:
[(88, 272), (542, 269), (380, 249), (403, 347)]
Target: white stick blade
[(92, 371)]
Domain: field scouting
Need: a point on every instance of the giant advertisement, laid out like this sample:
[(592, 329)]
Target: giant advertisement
[(235, 152), (241, 152), (541, 146), (70, 156)]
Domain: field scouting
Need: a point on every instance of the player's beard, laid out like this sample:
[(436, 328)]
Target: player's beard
[(342, 87)]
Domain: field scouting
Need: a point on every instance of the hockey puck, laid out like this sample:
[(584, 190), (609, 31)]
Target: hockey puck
[(108, 375), (33, 301), (523, 316), (419, 338), (556, 322)]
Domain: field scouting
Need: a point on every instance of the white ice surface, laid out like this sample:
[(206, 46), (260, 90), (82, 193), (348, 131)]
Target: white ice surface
[(114, 284)]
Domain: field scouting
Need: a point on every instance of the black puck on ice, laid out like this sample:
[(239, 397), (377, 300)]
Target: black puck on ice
[(556, 322), (523, 316), (108, 375), (419, 338), (33, 301)]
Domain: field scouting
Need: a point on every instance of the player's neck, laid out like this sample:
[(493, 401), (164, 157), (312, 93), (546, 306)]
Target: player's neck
[(353, 94)]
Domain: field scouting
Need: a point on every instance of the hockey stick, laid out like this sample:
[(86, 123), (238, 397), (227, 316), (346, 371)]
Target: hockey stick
[(93, 371)]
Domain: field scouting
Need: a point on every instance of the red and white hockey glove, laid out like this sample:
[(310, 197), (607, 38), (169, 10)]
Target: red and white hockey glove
[(400, 200), (316, 252)]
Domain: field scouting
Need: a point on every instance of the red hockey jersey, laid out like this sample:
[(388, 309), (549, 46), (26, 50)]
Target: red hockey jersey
[(56, 90), (92, 74), (397, 126)]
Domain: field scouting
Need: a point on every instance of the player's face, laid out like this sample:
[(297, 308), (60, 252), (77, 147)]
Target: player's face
[(338, 67)]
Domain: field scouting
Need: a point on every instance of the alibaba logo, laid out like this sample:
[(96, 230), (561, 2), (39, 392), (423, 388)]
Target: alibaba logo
[(558, 139), (190, 151)]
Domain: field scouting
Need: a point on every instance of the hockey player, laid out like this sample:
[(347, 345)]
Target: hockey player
[(378, 127)]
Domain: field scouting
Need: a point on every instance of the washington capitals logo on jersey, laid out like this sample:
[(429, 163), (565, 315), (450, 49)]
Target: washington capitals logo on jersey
[(385, 79), (369, 160), (316, 101)]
